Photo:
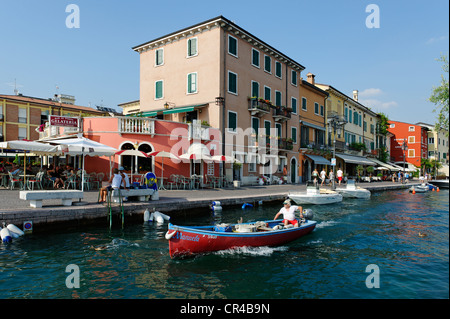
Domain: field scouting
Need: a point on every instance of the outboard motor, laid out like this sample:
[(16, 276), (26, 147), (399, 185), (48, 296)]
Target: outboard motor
[(308, 214)]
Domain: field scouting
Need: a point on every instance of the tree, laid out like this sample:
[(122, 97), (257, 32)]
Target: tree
[(440, 97)]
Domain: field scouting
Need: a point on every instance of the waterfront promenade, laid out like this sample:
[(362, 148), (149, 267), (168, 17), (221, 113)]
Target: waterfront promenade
[(16, 211)]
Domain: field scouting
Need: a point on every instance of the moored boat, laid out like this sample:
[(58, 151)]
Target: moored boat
[(315, 195), (190, 240), (419, 188), (353, 191), (441, 183)]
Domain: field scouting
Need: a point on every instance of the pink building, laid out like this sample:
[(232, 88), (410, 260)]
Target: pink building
[(150, 135)]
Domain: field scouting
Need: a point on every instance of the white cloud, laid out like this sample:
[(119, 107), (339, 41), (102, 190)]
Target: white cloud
[(437, 39), (370, 92), (378, 105)]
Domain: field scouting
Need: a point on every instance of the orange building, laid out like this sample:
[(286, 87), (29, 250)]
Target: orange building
[(415, 137)]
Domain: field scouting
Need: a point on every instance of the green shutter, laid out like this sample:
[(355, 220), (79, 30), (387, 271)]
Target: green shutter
[(278, 98), (232, 121), (267, 63), (158, 89), (255, 59), (267, 93), (232, 45), (192, 47), (232, 82), (192, 83), (255, 89), (294, 105)]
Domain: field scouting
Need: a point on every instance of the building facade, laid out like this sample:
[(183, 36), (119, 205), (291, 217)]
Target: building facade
[(220, 75), (409, 143)]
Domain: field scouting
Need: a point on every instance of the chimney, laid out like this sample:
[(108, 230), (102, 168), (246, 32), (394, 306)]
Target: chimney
[(310, 78), (355, 95)]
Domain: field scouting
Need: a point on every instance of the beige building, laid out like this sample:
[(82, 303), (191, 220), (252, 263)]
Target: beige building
[(218, 74)]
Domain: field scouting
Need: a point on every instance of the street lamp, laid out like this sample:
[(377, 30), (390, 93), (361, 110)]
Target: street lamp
[(404, 148), (335, 124)]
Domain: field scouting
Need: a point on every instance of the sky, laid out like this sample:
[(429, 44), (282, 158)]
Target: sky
[(392, 64)]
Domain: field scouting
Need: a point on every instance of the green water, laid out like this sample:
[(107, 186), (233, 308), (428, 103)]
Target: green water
[(329, 263)]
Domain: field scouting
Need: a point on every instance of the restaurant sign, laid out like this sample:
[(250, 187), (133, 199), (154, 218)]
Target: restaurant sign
[(63, 121)]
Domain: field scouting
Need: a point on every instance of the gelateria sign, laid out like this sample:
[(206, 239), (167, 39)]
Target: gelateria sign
[(63, 121)]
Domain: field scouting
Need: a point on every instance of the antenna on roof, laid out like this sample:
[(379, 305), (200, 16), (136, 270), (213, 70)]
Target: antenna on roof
[(16, 91)]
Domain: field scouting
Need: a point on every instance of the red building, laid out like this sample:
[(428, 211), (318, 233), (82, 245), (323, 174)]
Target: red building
[(414, 136)]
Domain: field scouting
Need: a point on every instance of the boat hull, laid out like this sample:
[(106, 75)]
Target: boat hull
[(440, 183), (188, 241), (354, 193), (319, 199)]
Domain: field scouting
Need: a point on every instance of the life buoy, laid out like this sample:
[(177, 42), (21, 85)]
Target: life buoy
[(168, 235), (5, 234)]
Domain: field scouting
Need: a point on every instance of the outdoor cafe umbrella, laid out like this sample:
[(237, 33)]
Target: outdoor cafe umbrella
[(25, 145), (162, 154), (197, 151), (132, 153), (84, 146)]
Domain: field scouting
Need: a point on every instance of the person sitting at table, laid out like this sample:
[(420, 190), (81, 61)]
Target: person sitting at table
[(55, 176), (16, 170), (2, 168), (29, 170)]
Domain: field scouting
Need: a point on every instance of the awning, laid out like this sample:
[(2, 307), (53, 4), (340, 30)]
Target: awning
[(319, 159), (390, 167), (179, 110), (355, 159), (317, 127)]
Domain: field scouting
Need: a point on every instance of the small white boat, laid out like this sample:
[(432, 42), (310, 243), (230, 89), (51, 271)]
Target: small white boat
[(314, 195), (353, 191), (423, 188)]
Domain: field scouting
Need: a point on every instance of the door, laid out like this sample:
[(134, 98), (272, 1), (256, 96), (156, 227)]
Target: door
[(293, 170)]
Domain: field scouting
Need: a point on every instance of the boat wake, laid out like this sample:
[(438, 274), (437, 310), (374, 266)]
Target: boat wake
[(327, 223), (116, 243), (251, 251)]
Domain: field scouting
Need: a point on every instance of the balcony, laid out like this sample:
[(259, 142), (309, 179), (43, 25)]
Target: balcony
[(196, 131), (285, 144), (281, 114), (134, 125), (258, 107)]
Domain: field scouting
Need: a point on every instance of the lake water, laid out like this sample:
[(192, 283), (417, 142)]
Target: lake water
[(331, 262)]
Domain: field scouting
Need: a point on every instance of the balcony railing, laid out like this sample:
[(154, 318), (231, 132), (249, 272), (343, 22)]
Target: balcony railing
[(197, 131), (285, 144), (258, 107), (281, 113), (134, 125)]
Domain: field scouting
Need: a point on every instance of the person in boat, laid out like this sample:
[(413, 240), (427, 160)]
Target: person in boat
[(288, 212), (115, 182)]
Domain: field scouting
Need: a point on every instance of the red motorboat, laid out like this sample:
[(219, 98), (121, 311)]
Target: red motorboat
[(190, 240)]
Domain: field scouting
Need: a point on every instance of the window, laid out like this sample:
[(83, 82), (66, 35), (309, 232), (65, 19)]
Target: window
[(192, 83), (392, 126), (232, 46), (411, 153), (294, 77), (158, 90), (22, 115), (431, 140), (278, 69), (304, 103), (359, 120), (267, 64), (316, 108), (255, 58), (192, 47), (365, 126), (232, 121), (278, 98), (22, 133), (159, 57), (267, 93), (355, 118), (232, 83), (255, 89), (350, 115), (346, 114), (411, 129), (321, 110), (372, 128), (294, 105), (411, 139), (294, 134), (255, 125)]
